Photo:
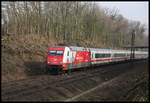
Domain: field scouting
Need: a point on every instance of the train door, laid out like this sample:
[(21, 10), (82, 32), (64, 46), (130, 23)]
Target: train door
[(73, 54), (68, 56)]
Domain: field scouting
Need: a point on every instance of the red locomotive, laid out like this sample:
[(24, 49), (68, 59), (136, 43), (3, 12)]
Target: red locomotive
[(62, 58)]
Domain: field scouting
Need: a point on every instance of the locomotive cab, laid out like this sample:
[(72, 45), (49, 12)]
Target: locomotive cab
[(55, 58)]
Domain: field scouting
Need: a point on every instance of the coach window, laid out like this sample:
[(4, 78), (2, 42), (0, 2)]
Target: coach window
[(102, 55), (128, 54), (106, 55), (119, 55), (96, 55)]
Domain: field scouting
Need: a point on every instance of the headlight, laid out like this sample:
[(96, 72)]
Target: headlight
[(49, 62)]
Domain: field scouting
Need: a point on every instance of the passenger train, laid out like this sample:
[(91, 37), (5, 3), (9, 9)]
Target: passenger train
[(63, 58)]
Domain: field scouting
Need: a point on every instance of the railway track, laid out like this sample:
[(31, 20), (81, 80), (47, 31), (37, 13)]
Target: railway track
[(42, 83), (33, 78), (39, 84)]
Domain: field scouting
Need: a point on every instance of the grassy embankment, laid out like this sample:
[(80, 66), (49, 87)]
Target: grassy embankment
[(24, 56)]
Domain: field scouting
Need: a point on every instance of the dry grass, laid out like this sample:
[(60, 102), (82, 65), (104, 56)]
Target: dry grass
[(19, 52), (23, 55)]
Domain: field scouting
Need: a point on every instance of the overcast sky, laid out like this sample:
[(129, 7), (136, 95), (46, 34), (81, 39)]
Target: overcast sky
[(130, 10)]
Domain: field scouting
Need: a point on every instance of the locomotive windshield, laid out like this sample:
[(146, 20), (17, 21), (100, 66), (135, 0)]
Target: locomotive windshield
[(56, 52)]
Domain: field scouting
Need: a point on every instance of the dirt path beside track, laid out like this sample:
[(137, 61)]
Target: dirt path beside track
[(125, 87)]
